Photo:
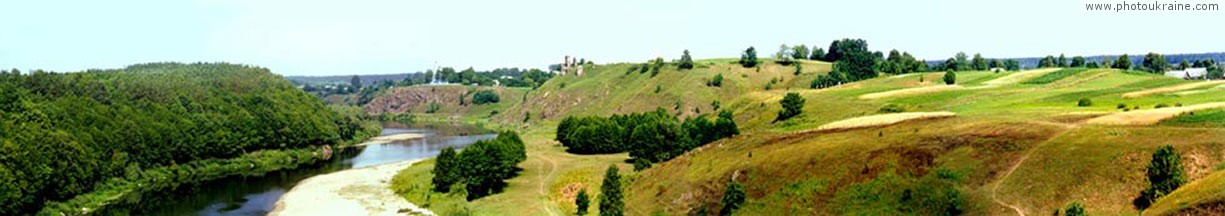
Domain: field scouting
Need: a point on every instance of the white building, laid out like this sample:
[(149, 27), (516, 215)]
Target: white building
[(1189, 73)]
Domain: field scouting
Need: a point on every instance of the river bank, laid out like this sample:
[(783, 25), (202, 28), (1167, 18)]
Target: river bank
[(349, 192)]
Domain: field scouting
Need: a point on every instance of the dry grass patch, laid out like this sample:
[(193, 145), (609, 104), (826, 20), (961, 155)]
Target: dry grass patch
[(1153, 116), (883, 119), (911, 91), (1175, 88), (1017, 77)]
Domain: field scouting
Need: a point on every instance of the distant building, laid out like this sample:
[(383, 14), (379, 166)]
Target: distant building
[(1189, 73)]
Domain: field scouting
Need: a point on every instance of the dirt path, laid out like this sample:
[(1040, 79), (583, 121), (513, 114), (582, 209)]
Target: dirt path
[(995, 196), (542, 188), (363, 191)]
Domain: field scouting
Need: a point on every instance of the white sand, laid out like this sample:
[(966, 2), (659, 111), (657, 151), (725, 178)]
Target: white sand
[(883, 119), (391, 138), (364, 191)]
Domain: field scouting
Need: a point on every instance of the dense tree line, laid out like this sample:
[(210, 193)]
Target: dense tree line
[(61, 134), (649, 137), (481, 168)]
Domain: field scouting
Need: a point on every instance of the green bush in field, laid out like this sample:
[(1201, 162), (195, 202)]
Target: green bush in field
[(793, 105), (1075, 209), (1084, 102), (733, 197), (582, 202), (950, 77), (485, 96)]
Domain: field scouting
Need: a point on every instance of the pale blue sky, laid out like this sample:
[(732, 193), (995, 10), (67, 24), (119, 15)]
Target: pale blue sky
[(296, 37)]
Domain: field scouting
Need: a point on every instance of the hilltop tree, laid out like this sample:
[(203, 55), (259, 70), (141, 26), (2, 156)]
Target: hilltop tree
[(784, 54), (1184, 65), (1077, 62), (1048, 61), (962, 62), (792, 104), (611, 203), (1165, 174), (686, 62), (733, 197), (799, 52), (446, 172), (996, 63), (1062, 61), (817, 53), (950, 64), (1122, 63), (853, 58), (749, 57), (1155, 63), (356, 82), (1012, 65), (582, 202), (979, 62)]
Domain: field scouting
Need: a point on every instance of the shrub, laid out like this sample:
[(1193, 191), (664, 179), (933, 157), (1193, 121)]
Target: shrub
[(950, 77), (733, 197), (485, 96), (582, 202), (1165, 174), (717, 81), (1084, 102), (1161, 105), (1121, 106), (792, 104), (433, 107), (610, 194), (892, 108), (1075, 209)]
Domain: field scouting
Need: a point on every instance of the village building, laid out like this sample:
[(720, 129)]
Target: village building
[(1189, 73)]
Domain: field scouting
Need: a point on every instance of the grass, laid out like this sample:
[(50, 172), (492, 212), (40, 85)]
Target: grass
[(1055, 76), (1019, 139), (1206, 118), (1182, 87), (1192, 198)]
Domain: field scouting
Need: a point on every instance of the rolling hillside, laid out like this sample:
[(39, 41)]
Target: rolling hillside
[(994, 143)]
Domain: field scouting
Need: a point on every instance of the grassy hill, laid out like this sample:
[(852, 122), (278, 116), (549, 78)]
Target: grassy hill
[(1018, 142)]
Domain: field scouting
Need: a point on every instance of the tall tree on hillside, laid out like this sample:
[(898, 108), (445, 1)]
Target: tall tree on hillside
[(686, 62), (1062, 61), (1048, 61), (446, 170), (1122, 62), (818, 53), (854, 58), (963, 62), (611, 203), (582, 202), (979, 62), (355, 82), (784, 54), (799, 52), (1155, 63), (1165, 174), (749, 57), (1077, 62), (1012, 65)]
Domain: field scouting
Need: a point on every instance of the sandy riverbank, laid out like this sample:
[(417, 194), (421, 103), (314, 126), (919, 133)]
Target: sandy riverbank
[(363, 191), (391, 138)]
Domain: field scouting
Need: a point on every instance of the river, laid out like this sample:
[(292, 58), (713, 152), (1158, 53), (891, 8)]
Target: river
[(257, 195)]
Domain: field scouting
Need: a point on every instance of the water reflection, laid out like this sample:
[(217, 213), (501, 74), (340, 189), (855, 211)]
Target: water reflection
[(257, 195)]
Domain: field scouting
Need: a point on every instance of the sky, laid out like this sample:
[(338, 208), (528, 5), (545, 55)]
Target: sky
[(304, 37)]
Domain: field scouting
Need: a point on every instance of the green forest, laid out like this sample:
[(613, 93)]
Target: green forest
[(67, 134)]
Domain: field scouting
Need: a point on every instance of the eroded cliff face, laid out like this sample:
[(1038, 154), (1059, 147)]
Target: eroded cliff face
[(451, 100)]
